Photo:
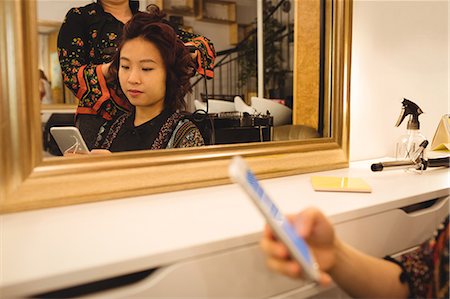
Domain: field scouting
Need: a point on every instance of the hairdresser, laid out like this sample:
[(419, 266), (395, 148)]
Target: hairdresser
[(87, 42), (422, 273), (151, 71)]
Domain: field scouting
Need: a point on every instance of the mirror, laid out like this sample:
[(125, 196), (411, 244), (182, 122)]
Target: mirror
[(32, 182), (231, 25)]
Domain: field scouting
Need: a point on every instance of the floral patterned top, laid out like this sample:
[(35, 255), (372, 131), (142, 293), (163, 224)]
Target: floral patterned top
[(167, 130), (88, 38), (426, 268)]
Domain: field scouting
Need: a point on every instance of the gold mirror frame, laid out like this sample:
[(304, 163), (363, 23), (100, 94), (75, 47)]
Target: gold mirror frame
[(30, 182)]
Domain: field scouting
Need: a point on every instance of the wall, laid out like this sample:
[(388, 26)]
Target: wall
[(400, 49), (55, 10)]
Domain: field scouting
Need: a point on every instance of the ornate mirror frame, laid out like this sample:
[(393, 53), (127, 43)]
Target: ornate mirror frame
[(30, 182)]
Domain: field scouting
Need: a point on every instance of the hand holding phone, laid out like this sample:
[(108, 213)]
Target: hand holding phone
[(69, 140), (285, 232)]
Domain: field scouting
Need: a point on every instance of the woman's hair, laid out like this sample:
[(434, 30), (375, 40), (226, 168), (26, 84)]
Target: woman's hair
[(151, 26)]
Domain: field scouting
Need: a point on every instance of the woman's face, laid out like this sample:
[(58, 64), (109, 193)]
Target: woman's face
[(142, 74)]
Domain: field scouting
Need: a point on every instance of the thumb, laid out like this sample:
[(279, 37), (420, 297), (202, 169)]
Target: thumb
[(305, 221), (325, 279)]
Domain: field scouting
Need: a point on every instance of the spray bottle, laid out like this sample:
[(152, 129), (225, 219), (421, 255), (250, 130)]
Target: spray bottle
[(408, 143)]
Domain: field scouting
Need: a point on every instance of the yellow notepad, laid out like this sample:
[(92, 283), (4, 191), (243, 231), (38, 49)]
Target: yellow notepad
[(339, 184)]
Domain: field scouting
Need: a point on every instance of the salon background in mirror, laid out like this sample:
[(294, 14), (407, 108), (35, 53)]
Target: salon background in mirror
[(238, 112)]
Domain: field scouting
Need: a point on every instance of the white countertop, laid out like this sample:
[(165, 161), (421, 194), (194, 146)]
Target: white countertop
[(83, 242)]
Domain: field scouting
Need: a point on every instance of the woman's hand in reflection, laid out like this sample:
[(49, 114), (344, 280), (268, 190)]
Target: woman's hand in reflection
[(75, 154), (100, 152), (92, 152), (318, 232)]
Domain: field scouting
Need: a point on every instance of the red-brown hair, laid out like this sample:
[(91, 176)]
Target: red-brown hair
[(179, 65)]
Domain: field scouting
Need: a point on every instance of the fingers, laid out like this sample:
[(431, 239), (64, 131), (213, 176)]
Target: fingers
[(194, 55), (304, 222), (105, 69), (74, 154), (274, 249), (293, 269), (278, 258), (67, 154), (267, 233), (191, 45), (93, 152), (287, 267), (312, 225), (100, 152), (325, 279)]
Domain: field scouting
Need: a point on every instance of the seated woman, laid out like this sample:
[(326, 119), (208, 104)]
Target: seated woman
[(146, 83)]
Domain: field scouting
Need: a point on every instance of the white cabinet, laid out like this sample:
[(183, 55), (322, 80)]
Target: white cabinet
[(241, 272), (194, 244)]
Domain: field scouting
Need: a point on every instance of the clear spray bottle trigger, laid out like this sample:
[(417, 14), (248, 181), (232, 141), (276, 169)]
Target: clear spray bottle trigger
[(408, 143)]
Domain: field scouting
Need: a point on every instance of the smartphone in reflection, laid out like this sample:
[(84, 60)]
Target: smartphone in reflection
[(69, 140)]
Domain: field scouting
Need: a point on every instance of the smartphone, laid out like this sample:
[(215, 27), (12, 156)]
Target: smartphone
[(241, 174), (69, 139)]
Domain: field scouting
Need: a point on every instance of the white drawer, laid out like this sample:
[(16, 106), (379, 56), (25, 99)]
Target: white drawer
[(238, 273), (396, 230)]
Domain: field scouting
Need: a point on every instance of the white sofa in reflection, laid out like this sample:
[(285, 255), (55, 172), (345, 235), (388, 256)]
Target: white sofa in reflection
[(282, 115), (215, 106)]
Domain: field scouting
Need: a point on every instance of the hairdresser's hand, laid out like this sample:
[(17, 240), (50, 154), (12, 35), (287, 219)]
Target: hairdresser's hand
[(195, 54), (105, 69), (191, 45), (41, 89), (318, 232)]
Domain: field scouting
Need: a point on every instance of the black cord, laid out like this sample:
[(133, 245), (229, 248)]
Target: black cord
[(202, 111), (200, 115)]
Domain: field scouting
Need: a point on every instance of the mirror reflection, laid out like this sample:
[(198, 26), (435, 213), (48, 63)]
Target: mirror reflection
[(51, 87), (225, 108)]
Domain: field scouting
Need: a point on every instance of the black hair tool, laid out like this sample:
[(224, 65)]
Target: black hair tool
[(417, 161)]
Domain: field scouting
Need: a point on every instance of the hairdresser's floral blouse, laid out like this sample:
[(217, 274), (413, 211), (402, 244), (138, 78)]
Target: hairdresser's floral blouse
[(88, 38), (426, 268)]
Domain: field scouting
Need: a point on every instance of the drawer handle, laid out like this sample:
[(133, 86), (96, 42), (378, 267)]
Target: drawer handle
[(97, 286), (433, 204)]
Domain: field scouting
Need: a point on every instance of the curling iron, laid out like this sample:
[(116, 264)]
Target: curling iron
[(417, 161)]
